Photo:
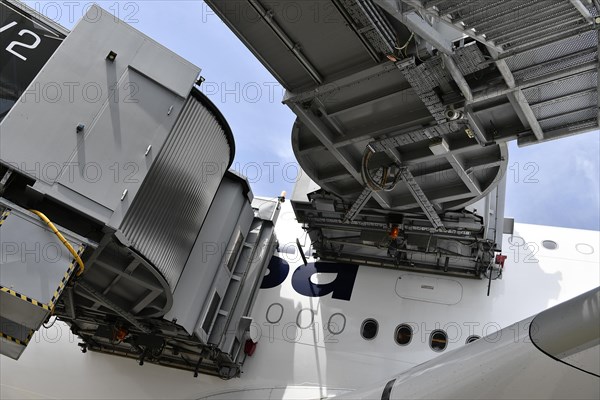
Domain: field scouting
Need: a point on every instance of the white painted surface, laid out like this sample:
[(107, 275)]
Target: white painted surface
[(291, 362), (511, 367)]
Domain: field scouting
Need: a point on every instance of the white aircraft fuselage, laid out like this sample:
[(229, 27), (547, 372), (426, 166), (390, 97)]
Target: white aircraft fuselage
[(308, 325)]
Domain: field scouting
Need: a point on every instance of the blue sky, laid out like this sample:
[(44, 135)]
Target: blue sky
[(555, 183)]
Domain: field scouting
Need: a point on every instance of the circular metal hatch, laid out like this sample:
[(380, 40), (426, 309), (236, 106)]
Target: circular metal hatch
[(450, 179)]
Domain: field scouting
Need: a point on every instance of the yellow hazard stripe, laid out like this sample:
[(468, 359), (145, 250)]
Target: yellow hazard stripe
[(24, 298), (57, 292), (4, 215), (64, 280), (17, 341)]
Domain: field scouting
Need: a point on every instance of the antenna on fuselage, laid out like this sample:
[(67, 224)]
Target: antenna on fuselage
[(301, 251)]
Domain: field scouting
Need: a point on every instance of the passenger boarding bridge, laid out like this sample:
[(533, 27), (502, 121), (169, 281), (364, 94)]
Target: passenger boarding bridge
[(404, 109), (119, 215)]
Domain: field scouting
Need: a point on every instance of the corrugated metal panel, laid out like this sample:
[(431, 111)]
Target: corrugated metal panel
[(168, 211)]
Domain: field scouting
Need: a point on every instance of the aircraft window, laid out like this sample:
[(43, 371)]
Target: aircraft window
[(584, 248), (438, 340), (369, 329), (403, 334), (472, 338), (336, 323), (550, 244)]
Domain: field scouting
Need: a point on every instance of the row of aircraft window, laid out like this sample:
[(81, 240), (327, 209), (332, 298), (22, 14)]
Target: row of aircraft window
[(438, 339), (582, 248)]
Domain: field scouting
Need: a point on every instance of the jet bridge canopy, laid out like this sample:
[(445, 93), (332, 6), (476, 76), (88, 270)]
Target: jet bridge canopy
[(527, 68), (404, 109)]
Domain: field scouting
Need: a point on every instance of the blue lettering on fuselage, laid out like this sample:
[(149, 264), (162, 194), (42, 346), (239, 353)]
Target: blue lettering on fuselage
[(340, 288), (278, 270)]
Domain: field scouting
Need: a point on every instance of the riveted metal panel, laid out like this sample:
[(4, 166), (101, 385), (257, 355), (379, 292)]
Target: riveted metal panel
[(169, 209)]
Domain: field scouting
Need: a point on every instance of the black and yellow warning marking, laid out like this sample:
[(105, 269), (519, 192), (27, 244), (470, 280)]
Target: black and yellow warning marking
[(4, 215), (64, 280), (57, 292), (17, 341), (24, 298)]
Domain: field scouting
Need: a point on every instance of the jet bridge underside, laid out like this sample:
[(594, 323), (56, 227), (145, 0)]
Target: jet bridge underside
[(404, 110)]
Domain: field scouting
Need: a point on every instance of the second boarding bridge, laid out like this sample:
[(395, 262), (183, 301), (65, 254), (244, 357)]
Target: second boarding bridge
[(404, 110)]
